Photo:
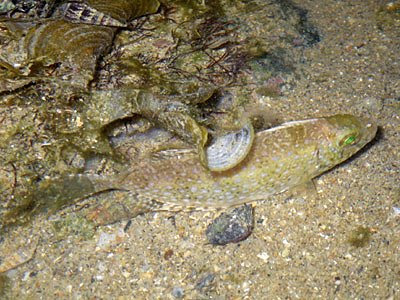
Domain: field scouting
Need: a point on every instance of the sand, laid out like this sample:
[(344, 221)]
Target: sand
[(342, 242)]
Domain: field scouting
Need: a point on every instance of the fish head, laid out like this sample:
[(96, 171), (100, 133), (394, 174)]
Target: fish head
[(346, 134)]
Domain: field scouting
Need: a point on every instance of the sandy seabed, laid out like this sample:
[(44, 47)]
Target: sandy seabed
[(300, 246)]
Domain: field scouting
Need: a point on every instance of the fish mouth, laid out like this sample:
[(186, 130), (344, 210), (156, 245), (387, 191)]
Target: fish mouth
[(369, 128), (367, 131)]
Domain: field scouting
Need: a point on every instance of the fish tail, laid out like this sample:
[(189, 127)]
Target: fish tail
[(53, 194)]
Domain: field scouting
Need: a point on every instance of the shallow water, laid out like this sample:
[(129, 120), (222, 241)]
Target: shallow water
[(301, 245)]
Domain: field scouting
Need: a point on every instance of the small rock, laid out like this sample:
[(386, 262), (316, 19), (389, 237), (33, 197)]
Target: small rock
[(178, 292), (264, 256), (231, 227), (205, 281), (396, 210)]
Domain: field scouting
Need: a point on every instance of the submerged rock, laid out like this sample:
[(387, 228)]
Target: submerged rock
[(231, 227)]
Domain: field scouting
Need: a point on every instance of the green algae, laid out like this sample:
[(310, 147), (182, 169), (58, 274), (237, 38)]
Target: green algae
[(388, 16), (73, 225), (5, 285), (191, 8), (360, 237)]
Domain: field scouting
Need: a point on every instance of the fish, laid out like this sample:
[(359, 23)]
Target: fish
[(115, 13), (280, 159), (80, 12)]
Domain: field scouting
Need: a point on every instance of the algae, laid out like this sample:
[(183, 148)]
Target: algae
[(5, 285), (360, 237)]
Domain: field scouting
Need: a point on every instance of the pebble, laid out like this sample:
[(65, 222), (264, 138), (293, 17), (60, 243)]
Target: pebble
[(178, 292), (231, 227), (205, 281)]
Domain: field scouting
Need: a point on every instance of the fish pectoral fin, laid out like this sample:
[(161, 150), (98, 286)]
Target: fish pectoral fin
[(305, 191), (125, 205), (12, 257)]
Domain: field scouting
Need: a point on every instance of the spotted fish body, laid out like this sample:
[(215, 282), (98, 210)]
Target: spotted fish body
[(280, 158)]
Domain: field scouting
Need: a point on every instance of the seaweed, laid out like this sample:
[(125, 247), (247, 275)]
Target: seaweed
[(360, 237), (5, 285)]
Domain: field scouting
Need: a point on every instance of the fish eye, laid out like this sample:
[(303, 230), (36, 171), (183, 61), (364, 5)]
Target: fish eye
[(348, 140)]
